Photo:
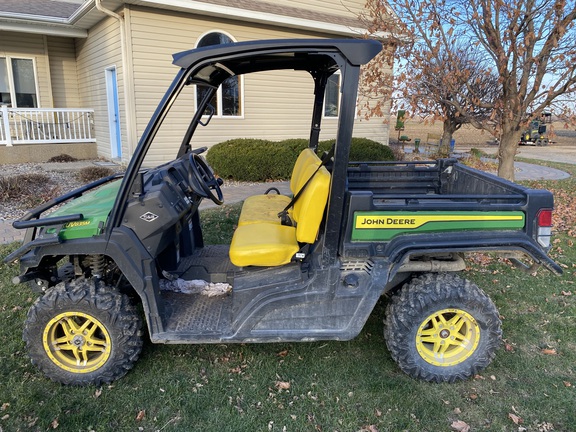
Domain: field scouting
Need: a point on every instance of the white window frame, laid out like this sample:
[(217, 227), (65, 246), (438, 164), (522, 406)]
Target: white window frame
[(219, 114), (9, 58)]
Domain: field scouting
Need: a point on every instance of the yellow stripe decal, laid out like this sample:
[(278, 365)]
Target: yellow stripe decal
[(416, 221)]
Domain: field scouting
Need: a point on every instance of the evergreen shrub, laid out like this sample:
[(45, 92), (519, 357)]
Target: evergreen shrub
[(256, 160)]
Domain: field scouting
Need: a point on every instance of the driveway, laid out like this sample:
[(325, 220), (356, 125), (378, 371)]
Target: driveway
[(565, 154)]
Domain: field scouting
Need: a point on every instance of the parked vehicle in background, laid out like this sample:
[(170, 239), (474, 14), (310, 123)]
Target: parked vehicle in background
[(537, 133)]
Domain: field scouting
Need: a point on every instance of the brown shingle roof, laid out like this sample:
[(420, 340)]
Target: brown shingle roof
[(61, 9), (281, 9), (41, 8)]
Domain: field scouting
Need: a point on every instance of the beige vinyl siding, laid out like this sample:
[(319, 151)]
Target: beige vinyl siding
[(277, 105), (22, 45), (62, 55), (101, 50)]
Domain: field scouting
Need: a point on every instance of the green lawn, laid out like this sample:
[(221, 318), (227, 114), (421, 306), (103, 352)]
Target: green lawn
[(324, 386)]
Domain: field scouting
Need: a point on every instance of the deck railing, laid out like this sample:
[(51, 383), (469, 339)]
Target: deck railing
[(45, 126)]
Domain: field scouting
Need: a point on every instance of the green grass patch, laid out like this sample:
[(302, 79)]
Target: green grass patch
[(320, 386), (218, 224)]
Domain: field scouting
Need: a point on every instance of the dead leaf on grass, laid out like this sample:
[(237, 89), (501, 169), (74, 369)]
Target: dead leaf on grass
[(54, 424), (282, 385), (566, 293), (549, 351), (517, 420), (567, 383), (97, 393), (460, 426), (141, 415)]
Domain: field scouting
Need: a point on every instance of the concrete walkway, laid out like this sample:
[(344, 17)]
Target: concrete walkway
[(240, 191)]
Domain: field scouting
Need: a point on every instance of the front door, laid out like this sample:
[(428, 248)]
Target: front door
[(113, 113)]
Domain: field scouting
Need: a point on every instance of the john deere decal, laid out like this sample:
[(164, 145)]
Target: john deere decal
[(382, 226)]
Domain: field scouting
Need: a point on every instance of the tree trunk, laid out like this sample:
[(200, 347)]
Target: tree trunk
[(506, 154), (449, 128)]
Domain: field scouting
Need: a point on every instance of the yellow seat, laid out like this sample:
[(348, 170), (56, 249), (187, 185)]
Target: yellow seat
[(309, 208), (263, 244), (306, 158), (272, 244), (265, 208)]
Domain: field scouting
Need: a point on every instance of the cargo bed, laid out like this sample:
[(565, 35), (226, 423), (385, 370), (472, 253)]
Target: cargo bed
[(397, 209)]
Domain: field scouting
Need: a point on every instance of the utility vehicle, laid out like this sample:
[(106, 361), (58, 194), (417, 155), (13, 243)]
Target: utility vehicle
[(537, 134), (303, 268)]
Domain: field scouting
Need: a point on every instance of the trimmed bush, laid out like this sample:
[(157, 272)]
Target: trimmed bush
[(251, 160), (362, 150), (248, 159), (28, 190), (93, 173), (62, 158)]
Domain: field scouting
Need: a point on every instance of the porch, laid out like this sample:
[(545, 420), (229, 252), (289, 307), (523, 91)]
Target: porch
[(36, 134)]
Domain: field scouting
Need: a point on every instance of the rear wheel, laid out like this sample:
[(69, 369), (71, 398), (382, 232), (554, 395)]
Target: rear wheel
[(442, 328), (79, 334)]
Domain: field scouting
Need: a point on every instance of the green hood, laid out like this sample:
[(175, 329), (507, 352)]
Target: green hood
[(95, 207)]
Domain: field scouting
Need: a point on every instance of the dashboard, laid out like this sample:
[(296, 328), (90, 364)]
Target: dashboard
[(170, 195)]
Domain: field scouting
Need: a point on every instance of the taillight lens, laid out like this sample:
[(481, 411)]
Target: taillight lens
[(544, 219)]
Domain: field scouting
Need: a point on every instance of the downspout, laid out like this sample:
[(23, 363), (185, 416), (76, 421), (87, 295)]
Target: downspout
[(128, 106)]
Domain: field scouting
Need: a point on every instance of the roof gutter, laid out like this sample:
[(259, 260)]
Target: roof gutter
[(46, 25), (43, 29), (86, 7)]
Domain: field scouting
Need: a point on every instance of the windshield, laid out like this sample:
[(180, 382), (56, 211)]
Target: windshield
[(262, 102)]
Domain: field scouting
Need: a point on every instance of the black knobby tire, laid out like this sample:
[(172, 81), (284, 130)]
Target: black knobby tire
[(78, 334), (442, 328)]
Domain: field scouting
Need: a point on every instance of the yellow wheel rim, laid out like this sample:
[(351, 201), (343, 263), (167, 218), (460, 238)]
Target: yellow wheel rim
[(77, 342), (447, 337)]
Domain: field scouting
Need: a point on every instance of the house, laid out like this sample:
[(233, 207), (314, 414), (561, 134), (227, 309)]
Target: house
[(84, 77)]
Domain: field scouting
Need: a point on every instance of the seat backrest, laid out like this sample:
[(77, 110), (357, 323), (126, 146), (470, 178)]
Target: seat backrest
[(306, 158), (309, 207)]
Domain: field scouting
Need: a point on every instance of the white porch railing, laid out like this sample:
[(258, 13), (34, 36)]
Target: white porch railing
[(45, 126)]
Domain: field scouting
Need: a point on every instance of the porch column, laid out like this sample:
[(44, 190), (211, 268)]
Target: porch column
[(6, 124)]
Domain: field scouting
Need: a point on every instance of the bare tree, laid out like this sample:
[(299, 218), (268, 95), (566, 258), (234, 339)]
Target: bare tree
[(533, 46), (451, 87), (529, 44)]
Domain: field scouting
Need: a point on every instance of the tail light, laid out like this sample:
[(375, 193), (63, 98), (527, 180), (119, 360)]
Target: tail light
[(544, 221)]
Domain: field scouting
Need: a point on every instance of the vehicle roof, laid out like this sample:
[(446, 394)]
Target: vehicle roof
[(356, 51)]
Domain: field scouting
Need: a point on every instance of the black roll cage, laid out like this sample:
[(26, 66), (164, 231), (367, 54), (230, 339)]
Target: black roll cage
[(210, 66)]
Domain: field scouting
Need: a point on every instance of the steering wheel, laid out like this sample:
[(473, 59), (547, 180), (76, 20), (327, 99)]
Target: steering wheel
[(201, 173)]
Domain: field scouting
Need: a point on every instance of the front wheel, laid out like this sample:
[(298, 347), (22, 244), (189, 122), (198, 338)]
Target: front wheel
[(79, 334), (442, 328)]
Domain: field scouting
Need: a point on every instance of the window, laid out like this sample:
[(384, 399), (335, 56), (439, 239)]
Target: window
[(332, 96), (227, 100), (18, 83)]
